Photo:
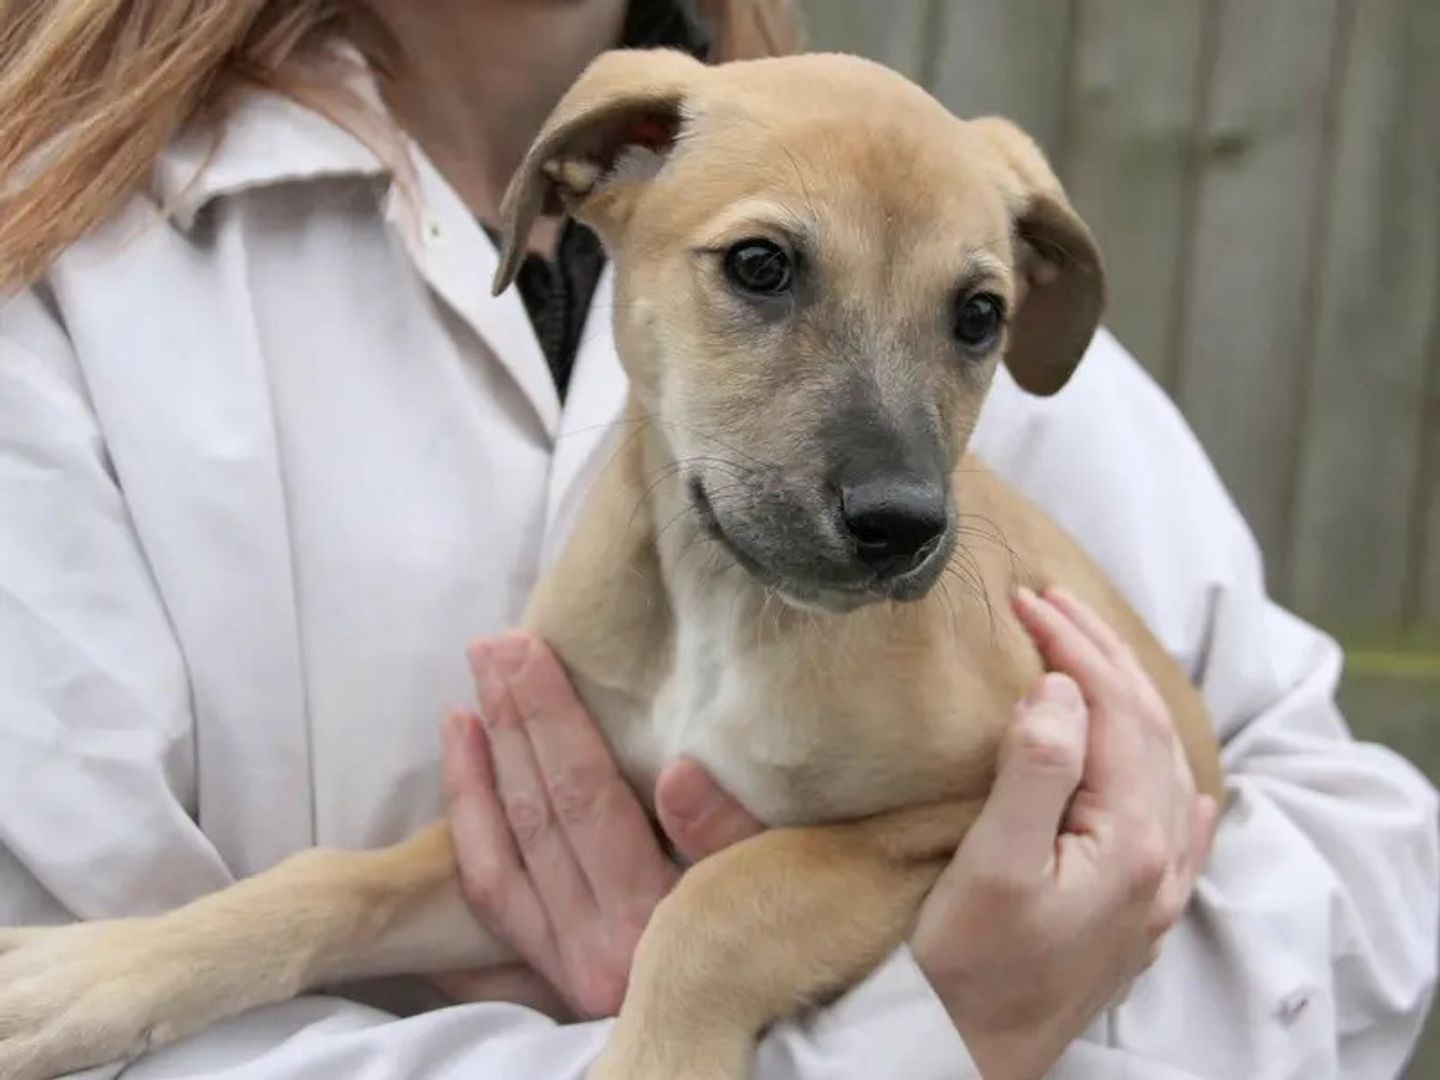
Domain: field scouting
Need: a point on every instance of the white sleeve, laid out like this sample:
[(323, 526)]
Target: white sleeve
[(890, 1025), (95, 729), (1310, 949)]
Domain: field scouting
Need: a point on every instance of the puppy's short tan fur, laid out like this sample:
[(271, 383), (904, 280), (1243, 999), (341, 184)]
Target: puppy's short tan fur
[(709, 603)]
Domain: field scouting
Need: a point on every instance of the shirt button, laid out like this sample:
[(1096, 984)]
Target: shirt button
[(1292, 1005), (432, 231)]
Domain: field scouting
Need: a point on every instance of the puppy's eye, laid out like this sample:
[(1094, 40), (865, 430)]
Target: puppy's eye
[(978, 320), (758, 266)]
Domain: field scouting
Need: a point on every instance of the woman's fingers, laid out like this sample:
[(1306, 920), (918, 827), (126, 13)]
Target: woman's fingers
[(587, 853), (544, 849), (1012, 844), (1081, 615), (513, 983), (1160, 758), (698, 815), (602, 821), (1205, 817), (1116, 754), (491, 875), (1175, 892), (1137, 779), (1062, 644)]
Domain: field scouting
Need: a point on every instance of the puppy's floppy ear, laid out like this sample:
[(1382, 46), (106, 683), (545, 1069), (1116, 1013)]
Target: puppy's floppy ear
[(625, 101), (1063, 291)]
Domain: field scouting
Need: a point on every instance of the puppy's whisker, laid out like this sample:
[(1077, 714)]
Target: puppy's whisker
[(965, 558), (676, 519), (990, 530), (652, 418), (584, 429), (800, 179), (697, 542), (700, 432), (949, 601), (670, 470)]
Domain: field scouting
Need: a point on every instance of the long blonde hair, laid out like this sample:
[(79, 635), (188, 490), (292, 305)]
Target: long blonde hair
[(91, 91)]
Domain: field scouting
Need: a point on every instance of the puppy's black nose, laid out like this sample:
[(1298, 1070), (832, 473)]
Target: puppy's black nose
[(895, 524)]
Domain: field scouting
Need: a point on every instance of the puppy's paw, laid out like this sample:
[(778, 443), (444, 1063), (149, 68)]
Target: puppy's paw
[(92, 993)]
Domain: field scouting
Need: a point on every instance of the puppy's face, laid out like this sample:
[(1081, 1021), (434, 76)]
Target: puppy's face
[(818, 270)]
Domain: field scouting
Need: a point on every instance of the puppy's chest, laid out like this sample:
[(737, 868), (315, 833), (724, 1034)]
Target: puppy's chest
[(790, 748), (761, 750)]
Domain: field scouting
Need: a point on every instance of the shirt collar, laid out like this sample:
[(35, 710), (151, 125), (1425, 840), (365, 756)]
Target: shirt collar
[(268, 138)]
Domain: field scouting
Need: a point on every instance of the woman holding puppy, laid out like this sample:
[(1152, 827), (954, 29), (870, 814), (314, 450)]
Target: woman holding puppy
[(271, 456)]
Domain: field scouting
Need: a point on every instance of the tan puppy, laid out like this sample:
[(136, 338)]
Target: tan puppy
[(818, 269)]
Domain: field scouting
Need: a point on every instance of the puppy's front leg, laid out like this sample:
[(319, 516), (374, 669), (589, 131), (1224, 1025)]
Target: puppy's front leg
[(89, 993), (767, 927)]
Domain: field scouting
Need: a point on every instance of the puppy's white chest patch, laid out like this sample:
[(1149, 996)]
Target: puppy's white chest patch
[(720, 708)]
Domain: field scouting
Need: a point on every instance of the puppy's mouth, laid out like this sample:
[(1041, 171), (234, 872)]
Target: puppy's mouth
[(816, 593), (710, 522)]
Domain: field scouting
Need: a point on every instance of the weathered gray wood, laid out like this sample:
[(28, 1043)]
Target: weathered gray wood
[(1132, 106), (1361, 448), (1008, 57), (1399, 710), (892, 32), (1423, 613), (1245, 333)]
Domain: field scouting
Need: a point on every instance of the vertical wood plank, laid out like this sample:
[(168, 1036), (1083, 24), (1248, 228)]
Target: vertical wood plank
[(1423, 610), (1422, 613), (1132, 106), (892, 33), (1425, 622), (1009, 57), (1361, 452), (1244, 333)]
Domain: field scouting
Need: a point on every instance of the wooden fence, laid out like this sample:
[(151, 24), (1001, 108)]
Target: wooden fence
[(1264, 176)]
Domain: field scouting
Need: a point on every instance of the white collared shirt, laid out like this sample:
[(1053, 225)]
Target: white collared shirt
[(266, 465)]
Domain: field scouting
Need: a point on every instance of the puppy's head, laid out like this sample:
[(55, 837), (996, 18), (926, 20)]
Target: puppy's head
[(818, 269)]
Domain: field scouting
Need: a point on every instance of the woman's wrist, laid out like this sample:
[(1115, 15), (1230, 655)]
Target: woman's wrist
[(1002, 1048)]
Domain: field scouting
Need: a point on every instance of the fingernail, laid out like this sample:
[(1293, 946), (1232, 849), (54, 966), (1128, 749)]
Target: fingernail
[(467, 727), (1058, 690), (479, 652), (692, 797), (511, 652), (1026, 595), (489, 687), (1210, 810)]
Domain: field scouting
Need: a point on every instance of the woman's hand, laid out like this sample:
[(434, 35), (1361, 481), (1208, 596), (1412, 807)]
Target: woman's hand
[(1084, 855), (556, 854)]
